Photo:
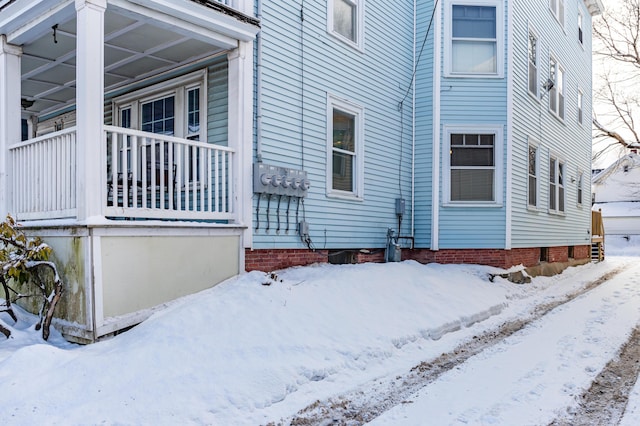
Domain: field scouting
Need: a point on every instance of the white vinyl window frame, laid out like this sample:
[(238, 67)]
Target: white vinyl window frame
[(533, 175), (533, 61), (179, 88), (356, 39), (557, 8), (498, 176), (340, 105), (557, 181), (557, 94), (449, 40)]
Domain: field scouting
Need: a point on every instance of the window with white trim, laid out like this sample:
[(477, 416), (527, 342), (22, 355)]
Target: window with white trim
[(346, 21), (472, 169), (345, 149), (580, 188), (169, 108), (580, 107), (533, 175), (580, 31), (556, 185), (556, 94), (557, 8), (474, 38), (533, 64)]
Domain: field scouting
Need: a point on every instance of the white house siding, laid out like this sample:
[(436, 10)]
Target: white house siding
[(532, 119), (301, 65), (424, 126), (473, 101)]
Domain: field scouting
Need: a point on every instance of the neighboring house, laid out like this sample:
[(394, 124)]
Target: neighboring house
[(163, 146), (616, 192)]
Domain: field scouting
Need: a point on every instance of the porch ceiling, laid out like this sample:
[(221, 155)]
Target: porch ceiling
[(140, 41)]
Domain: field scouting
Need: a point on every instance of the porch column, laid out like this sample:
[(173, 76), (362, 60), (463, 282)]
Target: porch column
[(10, 123), (240, 128), (90, 107)]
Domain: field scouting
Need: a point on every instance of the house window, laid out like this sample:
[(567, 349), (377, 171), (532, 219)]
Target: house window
[(169, 108), (580, 34), (557, 8), (556, 185), (580, 187), (475, 45), (345, 149), (533, 176), (472, 170), (580, 97), (556, 94), (533, 64), (346, 20)]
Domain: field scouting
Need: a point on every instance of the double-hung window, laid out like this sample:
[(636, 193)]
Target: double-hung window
[(345, 149), (473, 166), (346, 21), (533, 64), (556, 185), (474, 31), (533, 175), (557, 8), (556, 94)]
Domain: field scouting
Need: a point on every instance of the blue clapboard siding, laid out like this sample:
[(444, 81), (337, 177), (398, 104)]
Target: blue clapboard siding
[(424, 126), (467, 101), (532, 119), (217, 101), (301, 64)]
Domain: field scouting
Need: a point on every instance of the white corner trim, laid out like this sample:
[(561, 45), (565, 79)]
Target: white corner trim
[(436, 142)]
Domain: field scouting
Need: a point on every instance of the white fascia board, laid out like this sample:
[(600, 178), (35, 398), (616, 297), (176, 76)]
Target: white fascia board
[(201, 16), (60, 13), (20, 13)]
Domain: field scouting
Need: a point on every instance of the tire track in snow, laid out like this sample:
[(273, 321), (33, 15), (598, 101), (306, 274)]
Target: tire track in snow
[(360, 406), (605, 401)]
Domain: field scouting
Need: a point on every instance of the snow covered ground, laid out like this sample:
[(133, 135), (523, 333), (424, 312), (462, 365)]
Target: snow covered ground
[(257, 349)]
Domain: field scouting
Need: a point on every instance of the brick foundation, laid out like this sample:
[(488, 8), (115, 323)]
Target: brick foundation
[(273, 259)]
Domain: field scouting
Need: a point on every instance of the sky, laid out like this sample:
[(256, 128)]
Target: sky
[(256, 349), (600, 67)]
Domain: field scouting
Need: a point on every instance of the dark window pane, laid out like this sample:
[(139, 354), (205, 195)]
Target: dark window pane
[(343, 130), (474, 22), (342, 171), (471, 157), (532, 191), (472, 185)]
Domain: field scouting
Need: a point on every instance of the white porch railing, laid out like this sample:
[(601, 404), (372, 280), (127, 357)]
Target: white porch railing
[(163, 177), (43, 177), (149, 176)]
